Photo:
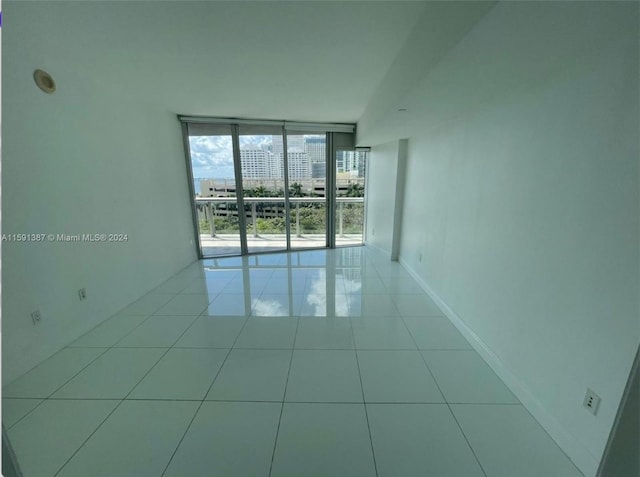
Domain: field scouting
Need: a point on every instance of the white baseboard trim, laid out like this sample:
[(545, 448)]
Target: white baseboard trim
[(379, 249), (578, 453)]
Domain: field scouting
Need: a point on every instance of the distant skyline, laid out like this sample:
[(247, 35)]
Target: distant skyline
[(212, 156)]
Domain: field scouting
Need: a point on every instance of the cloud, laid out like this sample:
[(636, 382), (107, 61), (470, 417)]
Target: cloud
[(211, 157), (211, 150)]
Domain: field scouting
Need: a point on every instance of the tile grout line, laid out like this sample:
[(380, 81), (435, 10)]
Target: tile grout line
[(173, 295), (465, 436), (76, 374), (90, 435), (114, 345), (364, 403), (150, 292), (204, 398), (246, 318), (184, 434), (434, 403), (124, 398), (284, 395), (185, 314), (446, 402), (98, 326), (107, 349), (195, 318), (46, 398), (23, 417)]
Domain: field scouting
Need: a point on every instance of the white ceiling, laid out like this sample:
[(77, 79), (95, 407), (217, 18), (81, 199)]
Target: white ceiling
[(316, 61)]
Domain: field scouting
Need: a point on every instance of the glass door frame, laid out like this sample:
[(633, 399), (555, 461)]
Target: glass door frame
[(237, 167), (337, 206), (330, 191), (338, 137), (237, 162)]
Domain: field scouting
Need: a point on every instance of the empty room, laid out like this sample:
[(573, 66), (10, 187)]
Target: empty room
[(320, 238)]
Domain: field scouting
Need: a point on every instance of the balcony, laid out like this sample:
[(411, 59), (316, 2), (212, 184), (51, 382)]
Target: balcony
[(266, 223)]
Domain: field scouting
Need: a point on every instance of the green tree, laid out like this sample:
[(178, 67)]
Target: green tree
[(296, 190), (355, 190), (312, 220), (275, 225), (260, 191), (226, 225)]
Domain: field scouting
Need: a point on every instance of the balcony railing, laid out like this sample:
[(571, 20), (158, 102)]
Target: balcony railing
[(211, 208)]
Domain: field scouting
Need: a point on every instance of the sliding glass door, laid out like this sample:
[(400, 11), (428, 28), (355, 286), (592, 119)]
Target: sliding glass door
[(262, 161), (214, 186), (307, 156), (351, 166), (267, 186)]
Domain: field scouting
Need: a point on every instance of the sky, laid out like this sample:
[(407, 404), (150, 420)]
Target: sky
[(212, 156)]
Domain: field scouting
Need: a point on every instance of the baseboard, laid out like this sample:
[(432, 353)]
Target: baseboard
[(378, 248), (578, 453), (10, 466)]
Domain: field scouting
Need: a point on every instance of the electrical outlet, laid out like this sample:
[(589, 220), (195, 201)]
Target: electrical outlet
[(373, 232), (420, 257), (36, 317), (82, 294), (591, 402)]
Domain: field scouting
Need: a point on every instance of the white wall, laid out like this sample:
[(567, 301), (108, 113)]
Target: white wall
[(381, 180), (522, 195), (87, 159), (438, 29), (622, 456)]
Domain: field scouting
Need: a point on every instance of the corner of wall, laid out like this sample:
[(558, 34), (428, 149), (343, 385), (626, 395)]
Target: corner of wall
[(579, 454)]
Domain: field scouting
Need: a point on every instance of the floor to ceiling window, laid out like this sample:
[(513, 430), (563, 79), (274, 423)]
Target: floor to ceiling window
[(350, 192), (262, 163), (266, 186), (307, 155), (214, 182)]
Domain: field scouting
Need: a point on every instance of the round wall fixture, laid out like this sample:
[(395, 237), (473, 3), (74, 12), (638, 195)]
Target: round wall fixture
[(44, 81)]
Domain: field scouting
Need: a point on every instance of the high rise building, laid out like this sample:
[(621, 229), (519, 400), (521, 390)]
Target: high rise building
[(318, 170), (294, 141), (256, 162), (316, 147), (351, 162), (299, 165)]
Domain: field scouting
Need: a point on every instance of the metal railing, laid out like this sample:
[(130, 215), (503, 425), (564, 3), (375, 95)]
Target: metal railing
[(210, 208)]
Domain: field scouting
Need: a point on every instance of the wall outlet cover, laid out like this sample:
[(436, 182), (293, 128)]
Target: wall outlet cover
[(591, 401)]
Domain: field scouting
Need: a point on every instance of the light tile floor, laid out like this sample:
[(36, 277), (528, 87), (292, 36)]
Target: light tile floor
[(317, 363)]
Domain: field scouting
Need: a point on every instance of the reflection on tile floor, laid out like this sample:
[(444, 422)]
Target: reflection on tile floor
[(324, 362)]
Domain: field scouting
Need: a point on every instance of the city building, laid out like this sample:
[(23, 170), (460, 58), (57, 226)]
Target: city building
[(207, 187), (351, 162), (257, 163), (489, 325), (299, 165), (316, 147), (294, 142), (318, 170)]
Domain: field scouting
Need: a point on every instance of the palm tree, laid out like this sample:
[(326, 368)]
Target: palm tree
[(260, 191), (296, 190)]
